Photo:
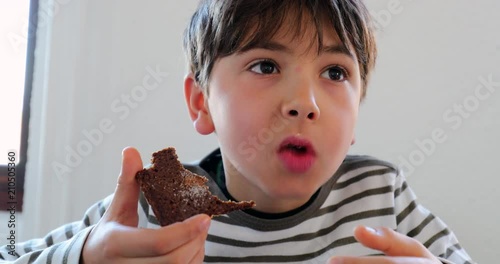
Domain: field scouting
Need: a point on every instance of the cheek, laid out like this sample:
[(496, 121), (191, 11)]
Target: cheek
[(235, 118), (347, 119), (340, 122)]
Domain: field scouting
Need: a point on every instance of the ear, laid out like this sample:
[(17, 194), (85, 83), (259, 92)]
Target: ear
[(198, 109)]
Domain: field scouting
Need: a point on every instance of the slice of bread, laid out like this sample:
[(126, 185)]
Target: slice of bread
[(176, 193)]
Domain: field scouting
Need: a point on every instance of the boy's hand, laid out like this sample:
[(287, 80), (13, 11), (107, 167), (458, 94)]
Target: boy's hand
[(116, 238), (397, 247)]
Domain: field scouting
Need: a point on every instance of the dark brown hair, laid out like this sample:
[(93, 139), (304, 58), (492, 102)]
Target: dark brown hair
[(220, 28)]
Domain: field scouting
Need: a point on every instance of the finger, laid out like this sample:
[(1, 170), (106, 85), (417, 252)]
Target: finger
[(184, 254), (187, 253), (200, 255), (378, 260), (123, 208), (390, 242), (135, 242)]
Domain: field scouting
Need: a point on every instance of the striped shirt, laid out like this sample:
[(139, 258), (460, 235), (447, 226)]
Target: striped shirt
[(363, 191)]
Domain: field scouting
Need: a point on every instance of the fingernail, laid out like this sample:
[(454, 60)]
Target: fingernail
[(372, 230), (123, 152), (205, 224)]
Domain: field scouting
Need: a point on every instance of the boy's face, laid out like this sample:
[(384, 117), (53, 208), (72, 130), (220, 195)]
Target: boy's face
[(284, 117)]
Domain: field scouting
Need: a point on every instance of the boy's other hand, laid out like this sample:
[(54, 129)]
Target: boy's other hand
[(116, 238), (398, 248)]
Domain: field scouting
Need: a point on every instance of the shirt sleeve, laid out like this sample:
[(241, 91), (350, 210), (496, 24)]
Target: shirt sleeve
[(62, 245), (417, 222)]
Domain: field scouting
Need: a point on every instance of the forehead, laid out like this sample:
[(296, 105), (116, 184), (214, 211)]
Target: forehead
[(306, 44), (295, 28)]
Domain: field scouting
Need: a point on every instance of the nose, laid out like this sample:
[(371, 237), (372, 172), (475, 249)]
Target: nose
[(300, 103)]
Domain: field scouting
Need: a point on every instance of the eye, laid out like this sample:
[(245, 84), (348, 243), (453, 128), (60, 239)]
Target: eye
[(264, 67), (335, 73)]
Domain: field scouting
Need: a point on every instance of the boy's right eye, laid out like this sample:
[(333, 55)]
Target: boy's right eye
[(264, 67)]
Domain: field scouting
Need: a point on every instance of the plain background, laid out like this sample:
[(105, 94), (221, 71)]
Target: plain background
[(433, 56)]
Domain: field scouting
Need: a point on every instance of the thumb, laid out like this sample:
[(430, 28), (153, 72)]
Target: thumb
[(123, 208), (390, 242)]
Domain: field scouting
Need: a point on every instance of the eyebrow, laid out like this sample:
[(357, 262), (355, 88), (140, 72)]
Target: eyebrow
[(332, 49)]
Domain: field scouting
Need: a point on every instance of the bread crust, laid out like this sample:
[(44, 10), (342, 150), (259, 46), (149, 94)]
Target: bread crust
[(176, 193)]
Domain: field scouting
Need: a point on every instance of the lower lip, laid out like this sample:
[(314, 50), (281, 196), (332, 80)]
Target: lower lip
[(296, 162)]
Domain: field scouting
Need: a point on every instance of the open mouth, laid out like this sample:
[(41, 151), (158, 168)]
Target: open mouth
[(295, 148), (297, 154), (296, 145)]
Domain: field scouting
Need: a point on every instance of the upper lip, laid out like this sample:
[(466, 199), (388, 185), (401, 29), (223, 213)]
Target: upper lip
[(298, 142)]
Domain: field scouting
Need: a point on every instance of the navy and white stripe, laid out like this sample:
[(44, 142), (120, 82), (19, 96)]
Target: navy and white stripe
[(363, 191)]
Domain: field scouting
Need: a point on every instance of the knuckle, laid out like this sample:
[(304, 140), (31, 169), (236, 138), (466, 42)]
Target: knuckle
[(109, 250), (192, 231), (109, 235), (158, 247)]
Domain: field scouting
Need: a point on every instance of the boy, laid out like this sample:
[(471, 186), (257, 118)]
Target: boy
[(280, 83)]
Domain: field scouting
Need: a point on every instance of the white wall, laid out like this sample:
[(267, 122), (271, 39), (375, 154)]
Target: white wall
[(432, 56)]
